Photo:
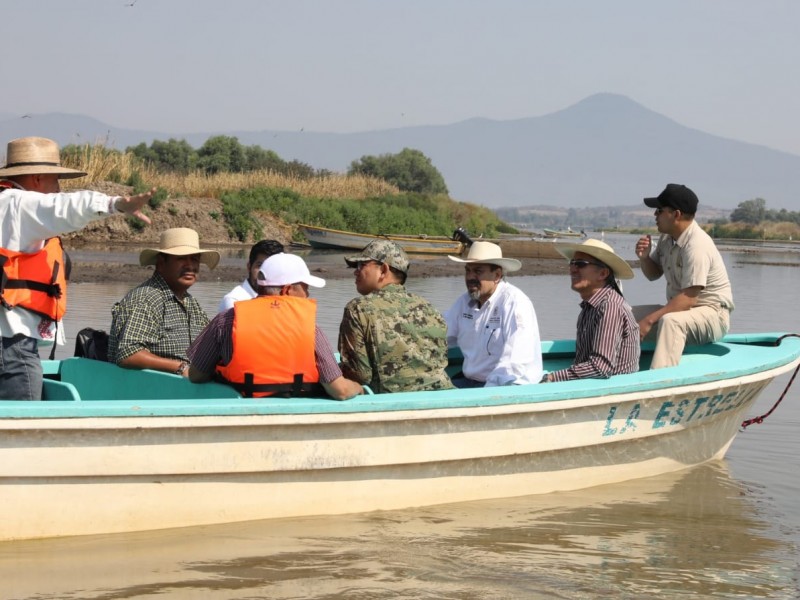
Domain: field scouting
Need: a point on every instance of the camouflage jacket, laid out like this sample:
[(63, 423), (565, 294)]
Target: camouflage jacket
[(394, 341)]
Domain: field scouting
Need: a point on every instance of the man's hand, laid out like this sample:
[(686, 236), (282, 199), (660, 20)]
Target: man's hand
[(644, 328), (644, 246), (132, 205)]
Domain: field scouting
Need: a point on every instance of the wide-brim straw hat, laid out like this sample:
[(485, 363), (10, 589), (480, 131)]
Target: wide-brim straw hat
[(491, 254), (602, 252), (180, 241), (35, 156)]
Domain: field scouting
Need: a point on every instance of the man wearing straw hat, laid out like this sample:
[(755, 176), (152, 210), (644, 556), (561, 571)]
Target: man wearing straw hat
[(33, 212), (607, 342), (153, 325), (493, 323)]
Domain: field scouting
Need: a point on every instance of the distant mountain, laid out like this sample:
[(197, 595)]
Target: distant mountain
[(606, 150)]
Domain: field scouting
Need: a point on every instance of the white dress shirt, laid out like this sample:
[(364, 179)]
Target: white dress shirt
[(500, 339), (244, 291), (27, 219)]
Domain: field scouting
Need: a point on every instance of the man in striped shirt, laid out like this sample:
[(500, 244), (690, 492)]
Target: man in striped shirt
[(607, 342)]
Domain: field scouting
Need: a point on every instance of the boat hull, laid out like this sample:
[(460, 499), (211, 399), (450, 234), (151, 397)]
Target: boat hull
[(226, 460), (332, 239), (556, 233)]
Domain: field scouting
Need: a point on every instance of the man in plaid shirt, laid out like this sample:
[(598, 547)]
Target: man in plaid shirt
[(153, 325)]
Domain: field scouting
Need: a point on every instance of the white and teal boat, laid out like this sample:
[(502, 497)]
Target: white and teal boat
[(113, 450)]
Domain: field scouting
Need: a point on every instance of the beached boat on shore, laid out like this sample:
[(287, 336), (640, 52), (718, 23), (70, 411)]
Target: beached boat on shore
[(561, 233), (516, 247), (116, 450), (325, 238)]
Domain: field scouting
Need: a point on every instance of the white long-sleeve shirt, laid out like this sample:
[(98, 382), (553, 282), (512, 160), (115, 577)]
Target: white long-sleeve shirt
[(244, 291), (27, 219), (500, 339)]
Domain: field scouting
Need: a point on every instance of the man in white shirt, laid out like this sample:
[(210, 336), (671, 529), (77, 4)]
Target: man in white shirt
[(493, 323), (33, 292), (260, 252)]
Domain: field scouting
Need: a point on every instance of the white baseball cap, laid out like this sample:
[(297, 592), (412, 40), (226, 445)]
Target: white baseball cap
[(286, 269)]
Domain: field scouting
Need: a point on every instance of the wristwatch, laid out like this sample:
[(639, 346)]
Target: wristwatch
[(182, 367)]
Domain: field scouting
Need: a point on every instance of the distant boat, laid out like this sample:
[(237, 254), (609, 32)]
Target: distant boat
[(322, 237), (556, 233)]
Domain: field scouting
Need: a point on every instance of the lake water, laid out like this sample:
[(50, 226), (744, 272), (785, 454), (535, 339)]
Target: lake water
[(730, 529)]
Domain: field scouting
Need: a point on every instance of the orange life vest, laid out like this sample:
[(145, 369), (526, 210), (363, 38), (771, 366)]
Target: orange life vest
[(35, 281), (273, 347)]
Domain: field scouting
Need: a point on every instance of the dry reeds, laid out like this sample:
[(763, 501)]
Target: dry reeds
[(200, 185), (103, 164)]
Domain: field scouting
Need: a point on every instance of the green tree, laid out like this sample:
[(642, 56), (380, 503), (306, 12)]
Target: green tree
[(222, 153), (173, 155), (410, 170), (258, 159), (300, 169), (750, 211)]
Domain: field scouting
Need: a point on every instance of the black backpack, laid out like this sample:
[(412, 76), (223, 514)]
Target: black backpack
[(92, 343)]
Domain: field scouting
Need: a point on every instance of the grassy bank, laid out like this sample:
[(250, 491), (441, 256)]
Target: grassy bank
[(349, 202)]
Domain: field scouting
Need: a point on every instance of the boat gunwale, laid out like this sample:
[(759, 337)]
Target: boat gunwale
[(736, 348)]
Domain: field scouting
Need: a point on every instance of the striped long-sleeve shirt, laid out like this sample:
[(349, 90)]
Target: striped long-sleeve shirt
[(607, 341)]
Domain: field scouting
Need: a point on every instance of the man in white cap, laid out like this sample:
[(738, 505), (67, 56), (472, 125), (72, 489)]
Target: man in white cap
[(271, 345), (33, 212), (607, 341), (494, 323), (153, 325)]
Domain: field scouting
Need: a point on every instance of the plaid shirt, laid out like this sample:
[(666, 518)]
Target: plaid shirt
[(150, 317)]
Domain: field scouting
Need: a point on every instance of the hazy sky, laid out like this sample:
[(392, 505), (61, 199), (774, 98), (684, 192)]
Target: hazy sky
[(727, 67)]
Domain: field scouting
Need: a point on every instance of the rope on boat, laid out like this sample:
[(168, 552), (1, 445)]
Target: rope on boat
[(759, 420)]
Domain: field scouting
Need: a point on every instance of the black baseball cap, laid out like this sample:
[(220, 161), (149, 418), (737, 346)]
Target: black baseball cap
[(675, 196)]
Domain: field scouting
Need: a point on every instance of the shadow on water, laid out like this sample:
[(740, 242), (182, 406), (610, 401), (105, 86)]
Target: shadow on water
[(699, 533)]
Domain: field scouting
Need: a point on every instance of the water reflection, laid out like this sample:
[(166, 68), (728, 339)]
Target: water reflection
[(697, 533)]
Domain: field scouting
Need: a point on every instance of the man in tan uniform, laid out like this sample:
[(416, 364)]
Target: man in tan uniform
[(699, 297)]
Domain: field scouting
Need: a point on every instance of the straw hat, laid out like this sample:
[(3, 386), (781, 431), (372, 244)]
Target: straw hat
[(35, 156), (602, 252), (489, 253), (180, 241)]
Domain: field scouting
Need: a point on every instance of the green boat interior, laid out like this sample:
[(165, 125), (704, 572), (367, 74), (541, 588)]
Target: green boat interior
[(80, 379)]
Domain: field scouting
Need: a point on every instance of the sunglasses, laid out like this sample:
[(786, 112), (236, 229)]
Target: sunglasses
[(363, 264), (662, 209), (577, 262)]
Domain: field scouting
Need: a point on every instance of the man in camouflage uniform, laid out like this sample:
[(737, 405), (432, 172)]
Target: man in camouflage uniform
[(390, 339)]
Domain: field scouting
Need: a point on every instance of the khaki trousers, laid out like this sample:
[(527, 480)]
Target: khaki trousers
[(676, 330)]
